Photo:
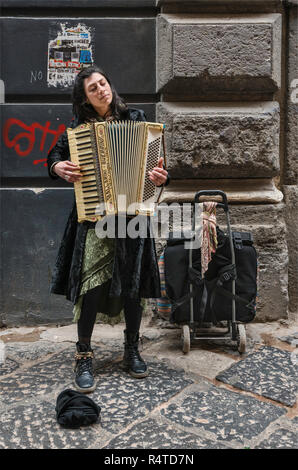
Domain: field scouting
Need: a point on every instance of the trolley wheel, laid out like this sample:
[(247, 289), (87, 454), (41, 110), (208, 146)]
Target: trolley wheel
[(241, 339), (185, 337)]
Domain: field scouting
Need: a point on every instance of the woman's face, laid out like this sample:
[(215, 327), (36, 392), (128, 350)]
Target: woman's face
[(98, 93)]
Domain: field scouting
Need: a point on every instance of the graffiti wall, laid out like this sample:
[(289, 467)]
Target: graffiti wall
[(35, 100), (29, 132)]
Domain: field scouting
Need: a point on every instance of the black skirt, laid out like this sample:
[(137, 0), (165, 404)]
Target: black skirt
[(135, 268)]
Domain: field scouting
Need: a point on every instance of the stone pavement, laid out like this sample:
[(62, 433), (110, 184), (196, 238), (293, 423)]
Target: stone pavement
[(210, 398)]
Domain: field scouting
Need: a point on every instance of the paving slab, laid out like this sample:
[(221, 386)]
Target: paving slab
[(35, 427), (46, 377), (269, 372), (229, 416), (154, 434), (101, 334), (280, 439), (198, 361), (291, 339), (178, 406), (20, 333), (31, 351), (8, 366), (269, 333), (124, 399)]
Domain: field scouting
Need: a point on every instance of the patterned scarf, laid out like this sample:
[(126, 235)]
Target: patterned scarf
[(209, 236)]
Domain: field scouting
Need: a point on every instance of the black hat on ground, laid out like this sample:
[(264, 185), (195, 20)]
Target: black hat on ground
[(74, 409)]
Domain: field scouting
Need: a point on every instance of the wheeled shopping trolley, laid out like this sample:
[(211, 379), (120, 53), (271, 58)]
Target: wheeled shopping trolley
[(230, 329)]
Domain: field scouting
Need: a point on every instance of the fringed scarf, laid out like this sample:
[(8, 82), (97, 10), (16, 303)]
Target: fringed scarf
[(209, 236)]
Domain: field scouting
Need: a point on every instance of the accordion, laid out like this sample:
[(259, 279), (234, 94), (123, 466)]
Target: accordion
[(114, 158)]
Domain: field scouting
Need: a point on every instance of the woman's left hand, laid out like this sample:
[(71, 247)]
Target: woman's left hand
[(158, 175)]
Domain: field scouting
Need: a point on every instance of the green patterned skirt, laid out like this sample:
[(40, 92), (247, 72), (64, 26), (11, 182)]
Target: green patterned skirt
[(97, 269)]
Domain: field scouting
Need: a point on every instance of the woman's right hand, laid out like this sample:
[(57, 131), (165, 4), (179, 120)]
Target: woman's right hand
[(68, 171)]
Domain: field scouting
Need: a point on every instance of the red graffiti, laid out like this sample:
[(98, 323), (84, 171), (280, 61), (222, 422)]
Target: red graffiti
[(29, 134)]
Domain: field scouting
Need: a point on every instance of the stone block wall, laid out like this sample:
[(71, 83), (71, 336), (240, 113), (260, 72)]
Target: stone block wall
[(221, 140), (221, 74), (231, 123), (290, 173), (199, 54)]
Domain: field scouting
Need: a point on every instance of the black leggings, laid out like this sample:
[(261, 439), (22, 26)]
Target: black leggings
[(132, 312)]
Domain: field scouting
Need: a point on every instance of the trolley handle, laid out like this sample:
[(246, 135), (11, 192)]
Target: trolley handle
[(211, 192)]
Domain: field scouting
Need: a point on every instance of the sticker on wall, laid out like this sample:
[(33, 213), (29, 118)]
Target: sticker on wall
[(70, 49)]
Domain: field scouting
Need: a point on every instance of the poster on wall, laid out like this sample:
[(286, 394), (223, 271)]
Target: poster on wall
[(70, 49)]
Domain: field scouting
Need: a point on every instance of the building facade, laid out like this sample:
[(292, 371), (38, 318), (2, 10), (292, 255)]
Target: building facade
[(221, 74)]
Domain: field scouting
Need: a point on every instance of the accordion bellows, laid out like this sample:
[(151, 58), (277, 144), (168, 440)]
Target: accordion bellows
[(115, 158)]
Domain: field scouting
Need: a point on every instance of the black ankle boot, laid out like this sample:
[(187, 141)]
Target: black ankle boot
[(84, 380), (132, 360)]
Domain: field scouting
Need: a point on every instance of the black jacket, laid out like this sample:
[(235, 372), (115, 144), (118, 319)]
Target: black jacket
[(135, 271)]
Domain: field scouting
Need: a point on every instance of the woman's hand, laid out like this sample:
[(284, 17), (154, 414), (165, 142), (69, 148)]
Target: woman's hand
[(158, 175), (68, 171)]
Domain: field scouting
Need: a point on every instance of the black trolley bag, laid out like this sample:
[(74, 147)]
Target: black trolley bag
[(228, 291)]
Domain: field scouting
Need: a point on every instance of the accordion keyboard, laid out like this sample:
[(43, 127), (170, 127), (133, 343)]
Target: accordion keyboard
[(88, 190)]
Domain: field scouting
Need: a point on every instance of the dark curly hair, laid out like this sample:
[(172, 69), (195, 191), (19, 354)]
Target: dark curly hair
[(84, 111)]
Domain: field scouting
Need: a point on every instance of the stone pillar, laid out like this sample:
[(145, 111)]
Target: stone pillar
[(290, 176), (218, 54), (221, 140), (221, 88)]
